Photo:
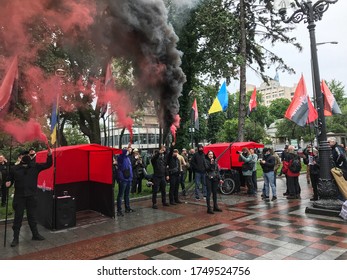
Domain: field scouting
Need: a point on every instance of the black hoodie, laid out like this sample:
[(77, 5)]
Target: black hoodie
[(198, 160)]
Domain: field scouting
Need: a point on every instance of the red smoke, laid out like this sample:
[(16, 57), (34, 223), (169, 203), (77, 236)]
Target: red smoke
[(39, 89), (25, 131), (121, 106), (174, 126)]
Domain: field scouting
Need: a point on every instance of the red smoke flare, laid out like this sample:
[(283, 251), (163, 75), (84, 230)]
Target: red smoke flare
[(174, 126)]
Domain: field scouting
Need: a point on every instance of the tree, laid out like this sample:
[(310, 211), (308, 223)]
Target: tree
[(211, 44), (338, 123), (278, 108)]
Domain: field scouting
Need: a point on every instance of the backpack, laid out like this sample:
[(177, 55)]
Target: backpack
[(295, 165)]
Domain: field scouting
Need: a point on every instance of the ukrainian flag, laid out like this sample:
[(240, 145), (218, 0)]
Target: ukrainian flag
[(220, 104), (54, 123)]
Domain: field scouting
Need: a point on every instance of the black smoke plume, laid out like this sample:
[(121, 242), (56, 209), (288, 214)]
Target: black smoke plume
[(139, 30)]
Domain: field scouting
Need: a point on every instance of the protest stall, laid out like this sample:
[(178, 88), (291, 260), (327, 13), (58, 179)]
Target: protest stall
[(79, 179)]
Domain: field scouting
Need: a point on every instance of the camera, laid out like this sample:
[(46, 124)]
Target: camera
[(239, 152)]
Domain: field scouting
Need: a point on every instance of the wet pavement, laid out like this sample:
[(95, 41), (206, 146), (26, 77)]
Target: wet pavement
[(247, 229)]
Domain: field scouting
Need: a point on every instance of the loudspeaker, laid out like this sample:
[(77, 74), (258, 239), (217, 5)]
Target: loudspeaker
[(65, 214)]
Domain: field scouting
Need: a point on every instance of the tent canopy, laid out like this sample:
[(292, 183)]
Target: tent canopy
[(83, 172), (229, 158), (87, 162)]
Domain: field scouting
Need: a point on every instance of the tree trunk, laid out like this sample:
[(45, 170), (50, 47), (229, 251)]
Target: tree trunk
[(89, 125), (243, 54)]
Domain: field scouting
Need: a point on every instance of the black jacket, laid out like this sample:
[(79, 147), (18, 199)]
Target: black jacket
[(159, 165), (212, 170), (4, 173), (197, 162), (25, 177), (269, 163), (173, 163), (339, 157)]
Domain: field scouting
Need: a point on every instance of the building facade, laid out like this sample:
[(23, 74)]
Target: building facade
[(273, 90)]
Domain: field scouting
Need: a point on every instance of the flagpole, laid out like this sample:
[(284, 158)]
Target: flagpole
[(7, 196)]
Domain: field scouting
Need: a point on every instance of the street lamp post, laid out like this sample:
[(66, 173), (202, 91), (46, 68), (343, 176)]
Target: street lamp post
[(311, 13), (59, 72)]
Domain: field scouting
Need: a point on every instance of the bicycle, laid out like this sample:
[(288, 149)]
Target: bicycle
[(228, 185)]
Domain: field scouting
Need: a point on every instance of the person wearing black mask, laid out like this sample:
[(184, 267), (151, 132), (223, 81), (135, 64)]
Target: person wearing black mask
[(24, 177)]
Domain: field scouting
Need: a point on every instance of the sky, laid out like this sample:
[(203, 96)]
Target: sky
[(332, 58)]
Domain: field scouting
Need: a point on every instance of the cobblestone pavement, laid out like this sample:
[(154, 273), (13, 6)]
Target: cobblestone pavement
[(247, 229)]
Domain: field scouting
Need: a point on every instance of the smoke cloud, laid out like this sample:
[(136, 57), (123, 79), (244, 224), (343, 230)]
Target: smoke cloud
[(137, 30)]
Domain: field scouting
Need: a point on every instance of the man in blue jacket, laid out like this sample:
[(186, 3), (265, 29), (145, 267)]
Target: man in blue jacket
[(125, 177)]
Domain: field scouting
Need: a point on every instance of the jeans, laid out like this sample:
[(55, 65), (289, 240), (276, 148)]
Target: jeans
[(269, 180), (124, 190), (200, 179)]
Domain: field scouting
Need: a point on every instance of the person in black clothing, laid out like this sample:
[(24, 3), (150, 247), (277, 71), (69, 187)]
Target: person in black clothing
[(159, 177), (338, 156), (3, 176), (174, 169), (197, 163), (32, 154), (24, 177), (212, 181), (313, 162), (138, 174)]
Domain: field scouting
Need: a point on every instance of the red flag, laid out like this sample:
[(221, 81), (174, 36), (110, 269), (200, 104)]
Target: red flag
[(8, 83), (298, 108), (252, 102), (312, 112), (330, 105), (195, 115), (109, 82)]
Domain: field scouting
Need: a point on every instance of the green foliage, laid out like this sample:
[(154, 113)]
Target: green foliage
[(74, 136), (338, 123), (278, 108)]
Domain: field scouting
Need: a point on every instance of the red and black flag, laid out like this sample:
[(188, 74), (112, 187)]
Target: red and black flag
[(298, 109), (109, 83), (330, 105), (9, 84), (195, 115), (312, 112), (252, 102)]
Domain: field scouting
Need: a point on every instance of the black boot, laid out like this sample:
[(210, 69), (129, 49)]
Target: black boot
[(14, 242), (217, 209), (209, 210), (38, 237)]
